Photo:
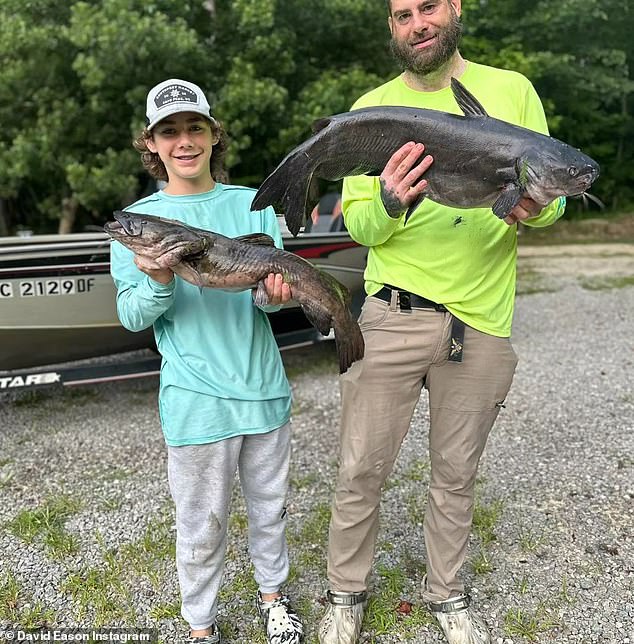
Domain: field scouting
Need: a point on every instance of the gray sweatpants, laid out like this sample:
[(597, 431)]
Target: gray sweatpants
[(201, 481)]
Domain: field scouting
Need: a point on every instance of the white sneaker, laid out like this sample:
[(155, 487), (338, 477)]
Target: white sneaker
[(459, 623), (342, 622)]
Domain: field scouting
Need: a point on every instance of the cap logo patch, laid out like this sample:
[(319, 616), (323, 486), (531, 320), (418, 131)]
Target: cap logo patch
[(175, 94)]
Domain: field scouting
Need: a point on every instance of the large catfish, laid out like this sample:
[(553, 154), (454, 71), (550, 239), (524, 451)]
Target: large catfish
[(479, 161), (205, 258)]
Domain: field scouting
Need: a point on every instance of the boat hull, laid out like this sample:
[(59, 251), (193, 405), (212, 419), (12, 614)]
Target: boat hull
[(57, 298)]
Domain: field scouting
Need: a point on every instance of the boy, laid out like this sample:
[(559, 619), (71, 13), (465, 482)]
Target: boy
[(224, 399)]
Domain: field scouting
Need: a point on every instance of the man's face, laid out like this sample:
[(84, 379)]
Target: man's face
[(425, 33)]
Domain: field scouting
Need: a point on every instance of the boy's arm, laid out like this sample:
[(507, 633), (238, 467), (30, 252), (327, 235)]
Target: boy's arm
[(140, 299)]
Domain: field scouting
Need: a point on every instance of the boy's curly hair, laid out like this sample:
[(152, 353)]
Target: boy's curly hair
[(153, 164)]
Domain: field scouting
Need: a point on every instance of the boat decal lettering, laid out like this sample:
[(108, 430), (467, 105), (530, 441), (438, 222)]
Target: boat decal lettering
[(29, 380), (47, 287)]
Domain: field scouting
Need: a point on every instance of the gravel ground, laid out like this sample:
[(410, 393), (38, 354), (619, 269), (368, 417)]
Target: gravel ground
[(86, 522)]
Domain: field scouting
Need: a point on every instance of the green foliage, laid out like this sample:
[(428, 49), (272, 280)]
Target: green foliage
[(75, 76), (578, 54)]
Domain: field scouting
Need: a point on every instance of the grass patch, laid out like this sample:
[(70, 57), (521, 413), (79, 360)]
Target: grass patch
[(485, 518), (104, 592), (606, 283), (419, 470), (314, 531), (48, 522), (413, 566), (18, 608), (166, 611), (305, 482), (481, 562), (523, 586), (238, 522), (115, 474), (415, 505), (242, 586), (387, 613), (309, 541), (530, 281), (147, 557), (529, 624), (110, 504), (564, 593), (529, 541)]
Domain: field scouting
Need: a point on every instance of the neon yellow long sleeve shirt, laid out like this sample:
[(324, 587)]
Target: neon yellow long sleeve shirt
[(462, 258)]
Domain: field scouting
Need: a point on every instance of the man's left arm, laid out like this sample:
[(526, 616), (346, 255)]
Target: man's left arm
[(528, 211)]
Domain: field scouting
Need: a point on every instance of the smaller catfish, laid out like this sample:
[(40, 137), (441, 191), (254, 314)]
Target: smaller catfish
[(207, 259)]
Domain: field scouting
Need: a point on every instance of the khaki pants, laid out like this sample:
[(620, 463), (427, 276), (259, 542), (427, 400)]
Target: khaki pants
[(403, 352)]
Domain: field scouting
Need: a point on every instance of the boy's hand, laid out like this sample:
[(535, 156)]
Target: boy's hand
[(153, 270), (277, 289)]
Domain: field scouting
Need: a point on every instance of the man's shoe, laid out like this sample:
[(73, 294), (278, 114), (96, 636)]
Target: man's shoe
[(342, 622), (214, 638), (281, 622), (459, 623)]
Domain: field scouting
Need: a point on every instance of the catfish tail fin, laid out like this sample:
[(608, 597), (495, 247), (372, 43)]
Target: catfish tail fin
[(287, 186), (349, 341)]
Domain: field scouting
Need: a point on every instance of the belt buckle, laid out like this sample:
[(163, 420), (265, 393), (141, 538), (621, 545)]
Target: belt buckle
[(405, 301)]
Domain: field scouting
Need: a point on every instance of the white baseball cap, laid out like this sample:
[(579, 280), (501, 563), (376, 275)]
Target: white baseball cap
[(173, 96)]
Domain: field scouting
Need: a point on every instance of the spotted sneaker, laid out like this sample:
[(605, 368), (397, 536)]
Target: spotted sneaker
[(459, 623), (213, 638), (342, 622), (281, 622)]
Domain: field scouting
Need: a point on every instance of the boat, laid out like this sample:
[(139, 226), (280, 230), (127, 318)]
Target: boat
[(57, 302)]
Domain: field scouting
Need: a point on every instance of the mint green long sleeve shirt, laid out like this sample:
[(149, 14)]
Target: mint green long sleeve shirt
[(221, 371)]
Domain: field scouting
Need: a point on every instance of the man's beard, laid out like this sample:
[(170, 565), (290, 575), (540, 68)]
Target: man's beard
[(423, 62)]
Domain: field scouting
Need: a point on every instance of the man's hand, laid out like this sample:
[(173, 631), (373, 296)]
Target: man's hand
[(154, 270), (277, 289), (525, 209), (401, 183)]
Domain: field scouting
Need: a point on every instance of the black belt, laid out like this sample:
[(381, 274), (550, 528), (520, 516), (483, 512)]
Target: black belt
[(408, 301)]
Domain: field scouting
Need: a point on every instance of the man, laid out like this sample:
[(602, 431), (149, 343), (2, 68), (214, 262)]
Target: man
[(438, 314)]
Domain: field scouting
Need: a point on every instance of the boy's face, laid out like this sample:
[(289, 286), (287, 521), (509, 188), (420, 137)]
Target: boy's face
[(184, 143)]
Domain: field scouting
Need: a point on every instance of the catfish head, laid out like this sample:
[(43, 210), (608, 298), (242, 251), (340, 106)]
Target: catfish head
[(556, 170), (166, 241)]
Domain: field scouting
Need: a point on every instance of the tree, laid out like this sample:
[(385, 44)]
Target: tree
[(576, 52), (76, 73), (72, 96)]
